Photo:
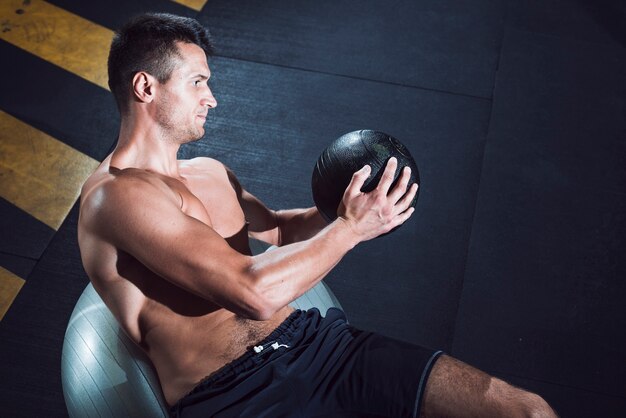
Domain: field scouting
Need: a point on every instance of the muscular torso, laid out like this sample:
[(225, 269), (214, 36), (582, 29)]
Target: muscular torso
[(186, 337)]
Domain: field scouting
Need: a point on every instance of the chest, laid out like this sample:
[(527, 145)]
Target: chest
[(211, 199)]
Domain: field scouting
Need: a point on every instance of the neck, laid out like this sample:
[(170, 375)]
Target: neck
[(146, 149)]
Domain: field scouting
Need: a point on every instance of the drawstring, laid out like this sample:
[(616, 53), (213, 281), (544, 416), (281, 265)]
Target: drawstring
[(275, 345)]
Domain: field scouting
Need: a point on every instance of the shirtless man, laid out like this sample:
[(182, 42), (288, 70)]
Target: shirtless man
[(165, 244)]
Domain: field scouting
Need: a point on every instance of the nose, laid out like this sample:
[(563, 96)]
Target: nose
[(209, 99)]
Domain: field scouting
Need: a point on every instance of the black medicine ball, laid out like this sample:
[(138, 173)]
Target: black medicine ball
[(348, 154)]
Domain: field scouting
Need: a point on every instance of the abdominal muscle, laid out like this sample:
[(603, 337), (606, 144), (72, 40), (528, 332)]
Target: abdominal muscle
[(186, 350), (186, 337)]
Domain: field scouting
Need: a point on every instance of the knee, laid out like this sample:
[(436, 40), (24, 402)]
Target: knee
[(515, 402)]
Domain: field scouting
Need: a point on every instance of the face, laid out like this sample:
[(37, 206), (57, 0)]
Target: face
[(184, 100)]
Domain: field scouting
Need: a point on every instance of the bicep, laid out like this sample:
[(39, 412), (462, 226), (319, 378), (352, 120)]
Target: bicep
[(276, 227), (176, 247), (263, 222)]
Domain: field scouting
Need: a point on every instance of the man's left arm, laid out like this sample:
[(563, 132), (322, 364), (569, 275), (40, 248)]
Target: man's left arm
[(279, 227)]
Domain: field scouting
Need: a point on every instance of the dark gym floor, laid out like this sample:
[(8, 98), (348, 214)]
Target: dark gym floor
[(515, 259)]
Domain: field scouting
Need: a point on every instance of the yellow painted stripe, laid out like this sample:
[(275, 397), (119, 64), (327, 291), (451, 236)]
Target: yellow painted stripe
[(192, 4), (38, 173), (57, 36), (10, 286)]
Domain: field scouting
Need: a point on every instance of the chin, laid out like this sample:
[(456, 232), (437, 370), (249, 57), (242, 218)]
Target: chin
[(198, 135), (192, 137)]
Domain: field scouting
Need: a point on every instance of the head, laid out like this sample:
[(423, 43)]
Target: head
[(149, 43)]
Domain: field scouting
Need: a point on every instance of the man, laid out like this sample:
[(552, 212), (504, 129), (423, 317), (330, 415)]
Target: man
[(165, 243)]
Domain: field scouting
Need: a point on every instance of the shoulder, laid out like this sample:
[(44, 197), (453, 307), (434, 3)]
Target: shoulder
[(213, 167), (203, 163), (122, 193), (124, 184)]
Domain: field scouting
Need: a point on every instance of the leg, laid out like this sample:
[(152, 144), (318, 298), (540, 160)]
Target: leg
[(455, 389)]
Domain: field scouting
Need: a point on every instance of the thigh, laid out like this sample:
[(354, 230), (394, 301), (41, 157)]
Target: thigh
[(455, 389), (375, 376)]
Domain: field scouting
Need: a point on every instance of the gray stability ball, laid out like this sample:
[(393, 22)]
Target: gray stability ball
[(104, 374)]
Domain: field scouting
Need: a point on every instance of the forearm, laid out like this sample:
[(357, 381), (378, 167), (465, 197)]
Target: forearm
[(296, 225), (285, 273), (273, 279)]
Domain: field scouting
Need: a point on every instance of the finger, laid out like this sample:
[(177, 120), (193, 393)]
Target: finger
[(401, 187), (406, 200), (357, 181), (402, 218), (388, 175)]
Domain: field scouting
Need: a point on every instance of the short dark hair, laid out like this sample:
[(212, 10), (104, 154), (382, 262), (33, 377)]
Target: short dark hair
[(148, 43)]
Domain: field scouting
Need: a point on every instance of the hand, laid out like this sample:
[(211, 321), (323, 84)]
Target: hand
[(379, 211)]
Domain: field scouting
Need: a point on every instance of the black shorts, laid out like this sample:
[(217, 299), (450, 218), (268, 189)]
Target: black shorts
[(312, 366)]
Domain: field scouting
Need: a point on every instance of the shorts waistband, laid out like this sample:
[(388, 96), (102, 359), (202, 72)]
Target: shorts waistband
[(281, 335)]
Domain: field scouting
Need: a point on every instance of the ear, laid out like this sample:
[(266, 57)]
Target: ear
[(143, 87)]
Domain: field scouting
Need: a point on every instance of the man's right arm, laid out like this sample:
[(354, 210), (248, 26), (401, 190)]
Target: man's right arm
[(192, 255)]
